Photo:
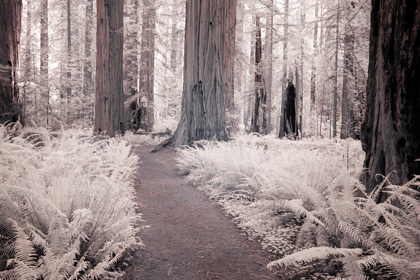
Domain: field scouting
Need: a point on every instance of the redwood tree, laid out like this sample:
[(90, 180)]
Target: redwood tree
[(147, 66), (10, 28), (391, 129), (208, 70), (109, 102)]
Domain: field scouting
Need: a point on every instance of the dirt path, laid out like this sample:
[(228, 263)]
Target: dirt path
[(189, 237)]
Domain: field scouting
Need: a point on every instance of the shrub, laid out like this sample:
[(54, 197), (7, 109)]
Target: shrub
[(66, 203), (298, 197)]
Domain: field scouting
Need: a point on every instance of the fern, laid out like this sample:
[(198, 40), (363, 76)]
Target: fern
[(64, 199), (314, 254)]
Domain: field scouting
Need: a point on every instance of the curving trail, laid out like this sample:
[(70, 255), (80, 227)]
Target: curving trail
[(189, 236)]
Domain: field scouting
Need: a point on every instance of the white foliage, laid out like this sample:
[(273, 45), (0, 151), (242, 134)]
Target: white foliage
[(269, 185), (68, 197), (315, 253)]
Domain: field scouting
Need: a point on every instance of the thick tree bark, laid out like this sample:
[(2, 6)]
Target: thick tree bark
[(109, 103), (147, 67), (259, 116), (10, 29), (44, 56), (208, 70), (391, 129)]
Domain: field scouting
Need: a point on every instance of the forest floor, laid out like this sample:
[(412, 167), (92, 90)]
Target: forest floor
[(185, 235)]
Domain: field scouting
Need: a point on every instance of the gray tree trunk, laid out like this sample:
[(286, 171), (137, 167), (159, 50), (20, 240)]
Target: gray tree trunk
[(208, 70), (27, 73), (259, 116), (249, 96), (109, 102), (347, 119), (312, 117), (131, 66), (147, 67), (10, 28), (44, 56), (391, 130), (69, 81), (335, 98), (88, 83), (268, 76), (299, 78), (285, 68)]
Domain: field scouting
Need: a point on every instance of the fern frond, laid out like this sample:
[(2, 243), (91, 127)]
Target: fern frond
[(355, 234), (351, 267), (367, 262), (10, 274), (296, 205), (313, 254)]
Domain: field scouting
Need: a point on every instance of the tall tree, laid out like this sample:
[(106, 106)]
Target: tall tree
[(27, 73), (259, 116), (285, 68), (299, 78), (312, 117), (335, 98), (248, 96), (391, 130), (347, 121), (88, 83), (131, 67), (44, 57), (109, 102), (69, 59), (268, 77), (147, 67), (10, 28), (208, 71)]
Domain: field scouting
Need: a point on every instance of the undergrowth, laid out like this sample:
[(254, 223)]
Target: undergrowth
[(299, 199), (67, 207)]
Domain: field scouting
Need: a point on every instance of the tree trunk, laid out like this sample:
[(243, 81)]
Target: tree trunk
[(268, 77), (312, 114), (69, 81), (131, 66), (259, 117), (27, 68), (240, 78), (391, 130), (335, 98), (285, 68), (109, 103), (208, 70), (147, 67), (299, 78), (44, 56), (347, 121), (290, 120), (251, 83), (88, 83), (10, 28)]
